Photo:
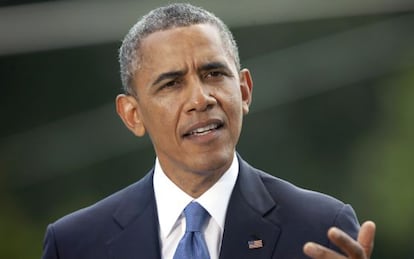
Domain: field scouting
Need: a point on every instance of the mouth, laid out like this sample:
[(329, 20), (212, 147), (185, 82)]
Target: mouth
[(203, 130)]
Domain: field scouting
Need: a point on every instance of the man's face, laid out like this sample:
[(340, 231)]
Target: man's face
[(191, 99)]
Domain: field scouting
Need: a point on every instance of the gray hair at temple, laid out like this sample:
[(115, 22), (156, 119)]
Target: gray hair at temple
[(164, 18)]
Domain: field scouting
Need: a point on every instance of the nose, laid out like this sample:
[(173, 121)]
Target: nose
[(200, 97)]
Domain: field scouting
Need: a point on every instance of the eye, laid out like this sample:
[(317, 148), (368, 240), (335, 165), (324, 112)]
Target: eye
[(214, 74), (171, 84)]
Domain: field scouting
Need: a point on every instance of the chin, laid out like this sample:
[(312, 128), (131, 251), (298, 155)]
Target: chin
[(216, 162)]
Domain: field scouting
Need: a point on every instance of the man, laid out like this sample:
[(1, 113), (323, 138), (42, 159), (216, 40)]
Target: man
[(184, 87)]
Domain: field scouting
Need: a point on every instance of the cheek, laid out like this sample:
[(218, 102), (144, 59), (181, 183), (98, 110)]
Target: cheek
[(232, 106), (161, 118), (231, 102)]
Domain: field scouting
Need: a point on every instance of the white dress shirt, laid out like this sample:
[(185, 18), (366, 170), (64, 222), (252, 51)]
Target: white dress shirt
[(171, 202)]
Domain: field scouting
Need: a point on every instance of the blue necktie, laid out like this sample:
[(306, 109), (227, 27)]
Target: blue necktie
[(193, 245)]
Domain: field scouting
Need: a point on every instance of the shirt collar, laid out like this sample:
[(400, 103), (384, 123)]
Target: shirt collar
[(171, 200)]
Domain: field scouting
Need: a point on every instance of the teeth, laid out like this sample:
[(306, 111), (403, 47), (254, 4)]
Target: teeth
[(204, 129)]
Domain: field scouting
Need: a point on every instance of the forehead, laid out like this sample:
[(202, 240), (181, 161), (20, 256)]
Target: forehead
[(181, 45)]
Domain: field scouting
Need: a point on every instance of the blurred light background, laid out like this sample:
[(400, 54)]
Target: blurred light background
[(333, 107)]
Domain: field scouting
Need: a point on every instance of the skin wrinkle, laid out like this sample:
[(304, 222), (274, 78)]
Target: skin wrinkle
[(188, 101), (200, 97), (162, 19), (209, 105)]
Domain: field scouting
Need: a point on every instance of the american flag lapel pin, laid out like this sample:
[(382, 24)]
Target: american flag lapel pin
[(254, 244)]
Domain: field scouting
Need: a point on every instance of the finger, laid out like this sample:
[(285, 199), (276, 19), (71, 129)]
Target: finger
[(346, 243), (366, 237), (317, 251)]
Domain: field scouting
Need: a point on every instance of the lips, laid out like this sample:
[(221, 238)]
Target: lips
[(201, 129)]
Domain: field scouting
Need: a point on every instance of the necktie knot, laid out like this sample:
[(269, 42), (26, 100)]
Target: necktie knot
[(195, 216), (193, 245)]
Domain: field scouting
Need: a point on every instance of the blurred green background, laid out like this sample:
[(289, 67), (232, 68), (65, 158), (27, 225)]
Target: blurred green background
[(333, 108)]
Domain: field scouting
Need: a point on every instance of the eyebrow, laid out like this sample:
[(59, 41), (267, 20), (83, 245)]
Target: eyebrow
[(180, 73), (169, 75), (212, 66)]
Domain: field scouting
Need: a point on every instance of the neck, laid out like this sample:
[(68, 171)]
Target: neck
[(196, 183)]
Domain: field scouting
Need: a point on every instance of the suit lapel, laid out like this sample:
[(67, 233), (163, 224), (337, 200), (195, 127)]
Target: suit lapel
[(246, 218), (138, 222)]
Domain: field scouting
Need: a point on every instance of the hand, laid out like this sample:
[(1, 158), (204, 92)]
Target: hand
[(360, 249)]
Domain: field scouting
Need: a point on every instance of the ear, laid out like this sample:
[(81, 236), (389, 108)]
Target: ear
[(246, 88), (128, 109)]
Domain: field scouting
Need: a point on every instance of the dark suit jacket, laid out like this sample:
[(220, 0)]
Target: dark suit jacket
[(261, 207)]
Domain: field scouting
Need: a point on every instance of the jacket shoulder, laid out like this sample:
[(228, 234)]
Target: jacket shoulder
[(304, 211), (90, 228), (105, 208)]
